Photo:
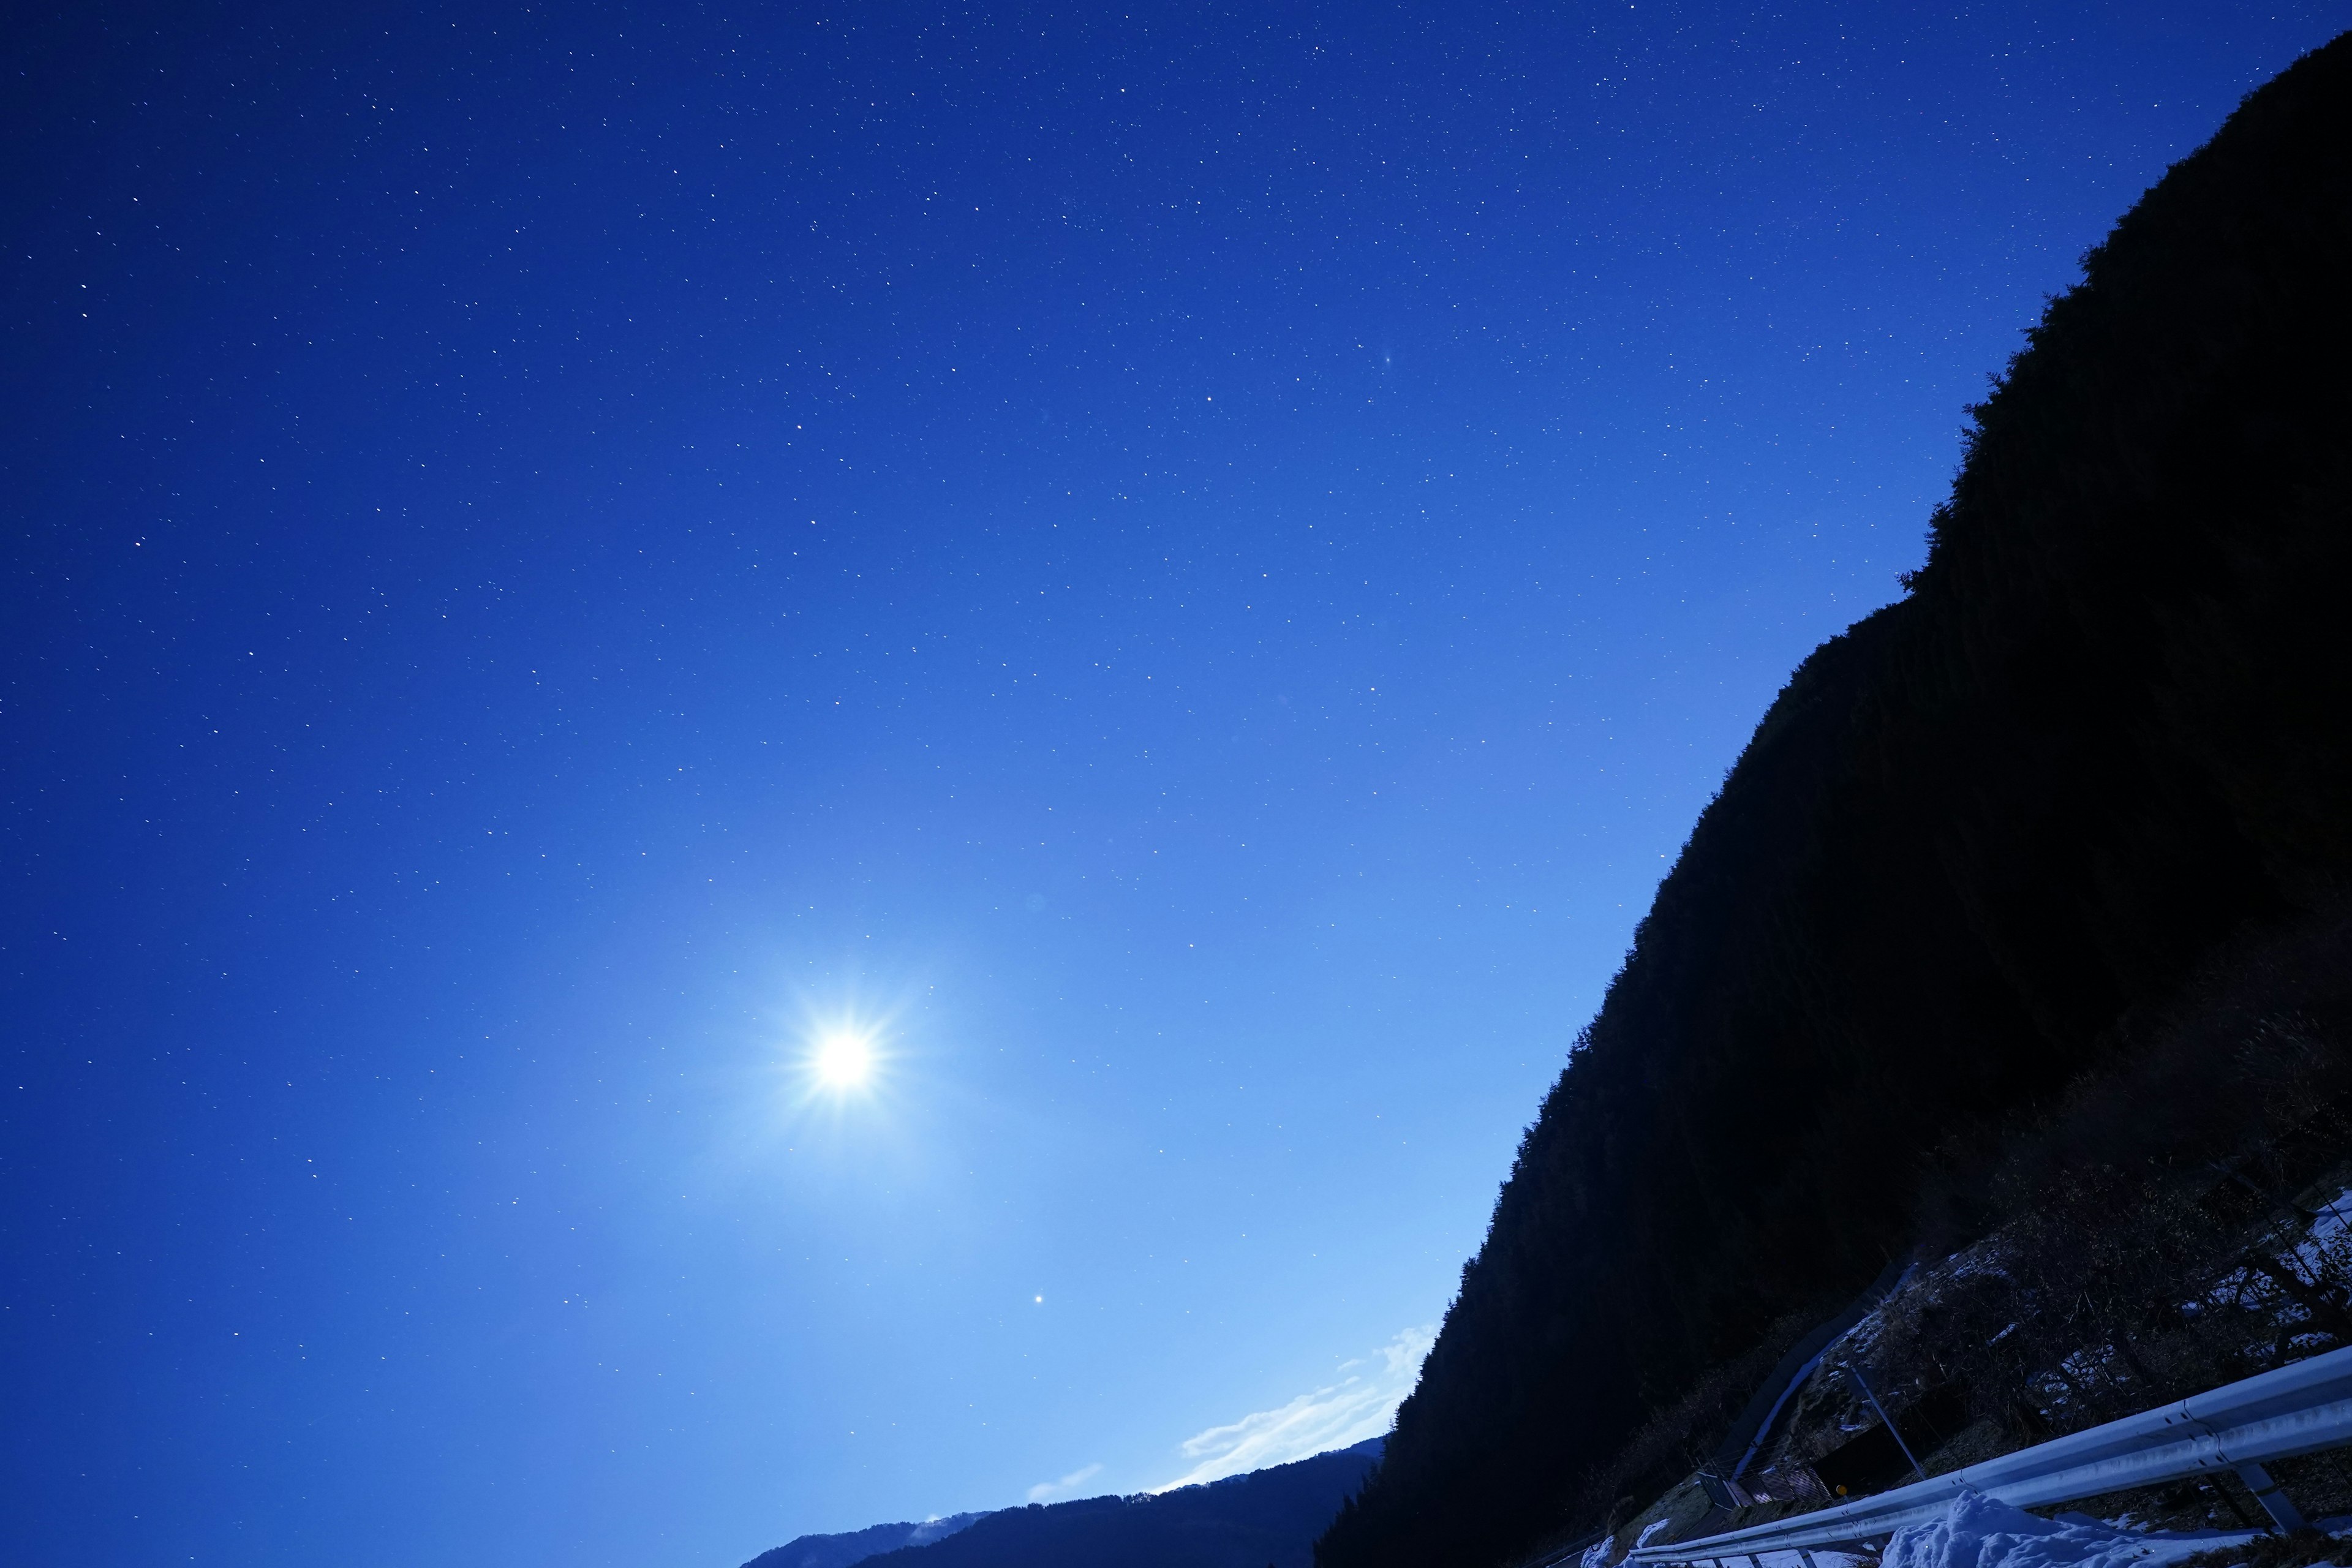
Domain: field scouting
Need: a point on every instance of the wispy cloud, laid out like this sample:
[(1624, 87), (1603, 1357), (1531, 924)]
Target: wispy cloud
[(1361, 1404), (1070, 1482)]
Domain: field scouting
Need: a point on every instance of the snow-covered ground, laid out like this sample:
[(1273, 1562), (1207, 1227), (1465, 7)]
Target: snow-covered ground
[(1978, 1532)]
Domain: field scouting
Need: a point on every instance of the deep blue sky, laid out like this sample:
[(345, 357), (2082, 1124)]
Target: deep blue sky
[(1185, 568)]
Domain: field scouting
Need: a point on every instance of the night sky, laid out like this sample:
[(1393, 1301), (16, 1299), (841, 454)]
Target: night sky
[(1180, 573)]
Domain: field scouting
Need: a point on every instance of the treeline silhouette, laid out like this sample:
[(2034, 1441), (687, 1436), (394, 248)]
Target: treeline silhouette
[(1974, 845)]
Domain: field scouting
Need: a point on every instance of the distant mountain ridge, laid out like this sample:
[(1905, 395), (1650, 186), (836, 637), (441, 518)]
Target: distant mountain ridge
[(857, 1545), (1267, 1517)]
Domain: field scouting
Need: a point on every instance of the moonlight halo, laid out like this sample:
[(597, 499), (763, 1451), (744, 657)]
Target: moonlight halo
[(844, 1060)]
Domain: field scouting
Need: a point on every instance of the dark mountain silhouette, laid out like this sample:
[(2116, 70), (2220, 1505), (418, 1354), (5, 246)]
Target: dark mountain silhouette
[(1267, 1517), (1978, 838), (857, 1545)]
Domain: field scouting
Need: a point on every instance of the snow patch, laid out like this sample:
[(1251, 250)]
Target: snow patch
[(1978, 1532)]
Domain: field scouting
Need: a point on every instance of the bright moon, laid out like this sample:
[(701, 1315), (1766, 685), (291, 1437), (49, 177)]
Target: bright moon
[(844, 1061)]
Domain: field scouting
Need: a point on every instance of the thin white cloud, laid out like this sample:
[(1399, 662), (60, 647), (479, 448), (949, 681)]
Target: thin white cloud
[(1076, 1478), (1359, 1405)]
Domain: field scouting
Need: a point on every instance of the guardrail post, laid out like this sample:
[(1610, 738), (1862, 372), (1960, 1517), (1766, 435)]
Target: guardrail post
[(2275, 1501)]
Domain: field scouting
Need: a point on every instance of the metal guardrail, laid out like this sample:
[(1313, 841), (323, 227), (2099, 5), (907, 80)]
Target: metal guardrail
[(2298, 1409)]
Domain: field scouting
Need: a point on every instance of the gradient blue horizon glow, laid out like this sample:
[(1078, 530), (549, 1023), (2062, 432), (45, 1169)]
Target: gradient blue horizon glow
[(1180, 573)]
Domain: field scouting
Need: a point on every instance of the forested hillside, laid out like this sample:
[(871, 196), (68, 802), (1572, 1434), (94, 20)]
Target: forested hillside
[(1975, 845)]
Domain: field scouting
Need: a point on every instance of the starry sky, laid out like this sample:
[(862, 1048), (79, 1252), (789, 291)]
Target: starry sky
[(1180, 570)]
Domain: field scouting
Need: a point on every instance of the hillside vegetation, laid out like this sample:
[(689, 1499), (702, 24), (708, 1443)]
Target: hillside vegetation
[(1970, 857)]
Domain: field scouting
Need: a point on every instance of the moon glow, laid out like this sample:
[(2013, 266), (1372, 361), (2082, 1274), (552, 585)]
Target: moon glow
[(844, 1061)]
